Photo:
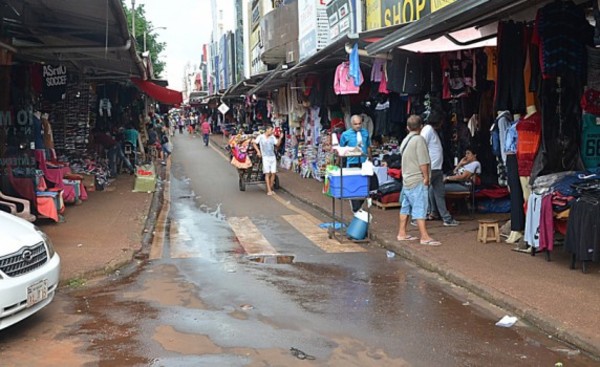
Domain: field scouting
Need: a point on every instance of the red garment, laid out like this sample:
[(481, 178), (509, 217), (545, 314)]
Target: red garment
[(529, 131), (546, 224), (590, 102)]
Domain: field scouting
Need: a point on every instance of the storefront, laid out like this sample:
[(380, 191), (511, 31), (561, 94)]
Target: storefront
[(493, 70), (57, 97)]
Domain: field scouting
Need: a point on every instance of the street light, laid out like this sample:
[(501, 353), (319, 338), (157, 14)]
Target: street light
[(148, 31)]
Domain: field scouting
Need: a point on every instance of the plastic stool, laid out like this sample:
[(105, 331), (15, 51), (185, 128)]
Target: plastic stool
[(485, 225)]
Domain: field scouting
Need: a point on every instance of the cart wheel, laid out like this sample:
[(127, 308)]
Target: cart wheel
[(330, 232), (242, 184), (276, 183)]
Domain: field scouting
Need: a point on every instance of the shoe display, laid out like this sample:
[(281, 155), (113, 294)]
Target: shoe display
[(452, 223)]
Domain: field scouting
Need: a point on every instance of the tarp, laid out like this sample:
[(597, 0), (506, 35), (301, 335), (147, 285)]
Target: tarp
[(161, 94)]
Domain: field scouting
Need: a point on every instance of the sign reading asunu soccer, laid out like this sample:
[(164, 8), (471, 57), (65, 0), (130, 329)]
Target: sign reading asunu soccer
[(385, 13), (54, 82)]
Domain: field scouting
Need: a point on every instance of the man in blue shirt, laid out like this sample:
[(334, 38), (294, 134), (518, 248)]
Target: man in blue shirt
[(354, 137)]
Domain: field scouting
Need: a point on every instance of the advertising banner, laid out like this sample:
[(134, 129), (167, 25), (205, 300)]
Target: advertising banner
[(341, 15), (385, 13), (313, 27)]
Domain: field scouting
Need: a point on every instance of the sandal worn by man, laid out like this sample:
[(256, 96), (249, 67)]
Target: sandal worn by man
[(407, 238), (431, 242)]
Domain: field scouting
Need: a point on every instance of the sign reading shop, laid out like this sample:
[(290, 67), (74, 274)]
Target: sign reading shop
[(55, 82), (385, 13)]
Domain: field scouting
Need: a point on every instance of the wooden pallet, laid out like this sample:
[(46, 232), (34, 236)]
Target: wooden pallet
[(383, 206)]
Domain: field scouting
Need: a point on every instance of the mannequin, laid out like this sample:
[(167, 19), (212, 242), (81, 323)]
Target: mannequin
[(517, 216), (38, 140), (529, 131), (47, 131)]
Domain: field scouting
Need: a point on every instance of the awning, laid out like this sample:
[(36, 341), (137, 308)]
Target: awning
[(273, 80), (469, 38), (161, 94), (241, 89), (458, 15), (89, 36)]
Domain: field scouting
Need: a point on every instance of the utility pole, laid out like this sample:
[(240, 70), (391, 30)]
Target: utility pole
[(133, 18)]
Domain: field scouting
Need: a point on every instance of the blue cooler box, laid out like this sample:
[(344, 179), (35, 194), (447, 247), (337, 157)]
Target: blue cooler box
[(355, 184)]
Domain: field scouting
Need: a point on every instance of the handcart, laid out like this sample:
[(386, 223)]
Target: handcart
[(254, 175), (339, 228)]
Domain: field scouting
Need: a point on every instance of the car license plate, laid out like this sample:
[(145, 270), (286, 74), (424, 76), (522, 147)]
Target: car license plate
[(37, 292)]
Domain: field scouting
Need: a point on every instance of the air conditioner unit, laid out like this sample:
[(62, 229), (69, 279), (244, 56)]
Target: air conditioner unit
[(290, 57)]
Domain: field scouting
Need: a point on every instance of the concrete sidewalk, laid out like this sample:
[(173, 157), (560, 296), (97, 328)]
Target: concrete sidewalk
[(103, 233), (564, 303)]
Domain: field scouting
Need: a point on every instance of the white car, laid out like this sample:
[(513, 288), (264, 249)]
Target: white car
[(29, 269)]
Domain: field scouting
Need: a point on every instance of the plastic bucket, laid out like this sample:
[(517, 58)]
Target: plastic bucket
[(357, 229)]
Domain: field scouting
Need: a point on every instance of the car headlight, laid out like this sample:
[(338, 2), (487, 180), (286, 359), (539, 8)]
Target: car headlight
[(48, 242)]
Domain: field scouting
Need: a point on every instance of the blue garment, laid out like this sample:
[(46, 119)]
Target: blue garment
[(355, 66), (348, 139), (131, 136), (510, 143)]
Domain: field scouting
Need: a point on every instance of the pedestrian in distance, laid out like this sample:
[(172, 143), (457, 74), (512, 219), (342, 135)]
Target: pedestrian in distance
[(206, 131), (415, 182), (265, 145)]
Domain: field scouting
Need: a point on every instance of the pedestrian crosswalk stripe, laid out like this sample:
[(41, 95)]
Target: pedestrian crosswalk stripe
[(309, 227), (250, 237)]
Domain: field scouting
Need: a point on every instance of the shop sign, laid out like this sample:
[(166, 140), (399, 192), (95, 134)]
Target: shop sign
[(342, 18), (385, 13), (313, 26), (55, 82)]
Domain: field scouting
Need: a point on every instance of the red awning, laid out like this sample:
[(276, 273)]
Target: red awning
[(161, 94)]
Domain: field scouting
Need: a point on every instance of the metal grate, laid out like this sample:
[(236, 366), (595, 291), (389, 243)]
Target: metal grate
[(15, 264)]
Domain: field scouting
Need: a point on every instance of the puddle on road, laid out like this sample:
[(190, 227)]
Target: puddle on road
[(272, 259)]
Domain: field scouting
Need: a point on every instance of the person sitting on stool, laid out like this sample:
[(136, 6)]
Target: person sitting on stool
[(460, 180)]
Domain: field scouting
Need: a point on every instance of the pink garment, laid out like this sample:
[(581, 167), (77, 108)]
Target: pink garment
[(205, 127), (343, 83), (546, 225), (383, 85)]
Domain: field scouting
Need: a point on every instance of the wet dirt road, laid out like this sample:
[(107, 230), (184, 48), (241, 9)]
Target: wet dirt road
[(210, 297)]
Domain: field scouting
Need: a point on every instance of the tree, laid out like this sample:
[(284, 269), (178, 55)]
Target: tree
[(152, 45)]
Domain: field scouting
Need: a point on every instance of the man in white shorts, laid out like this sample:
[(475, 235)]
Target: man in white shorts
[(265, 147)]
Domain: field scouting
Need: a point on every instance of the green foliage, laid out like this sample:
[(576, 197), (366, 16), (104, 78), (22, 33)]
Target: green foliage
[(152, 45), (76, 283)]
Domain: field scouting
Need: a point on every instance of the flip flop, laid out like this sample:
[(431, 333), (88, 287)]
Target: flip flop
[(431, 243), (407, 238)]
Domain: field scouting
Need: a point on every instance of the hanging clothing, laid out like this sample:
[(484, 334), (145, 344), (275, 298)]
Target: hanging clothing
[(562, 32), (405, 72), (532, 222), (517, 216), (529, 131), (355, 72), (546, 224), (377, 70), (510, 86), (343, 82)]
